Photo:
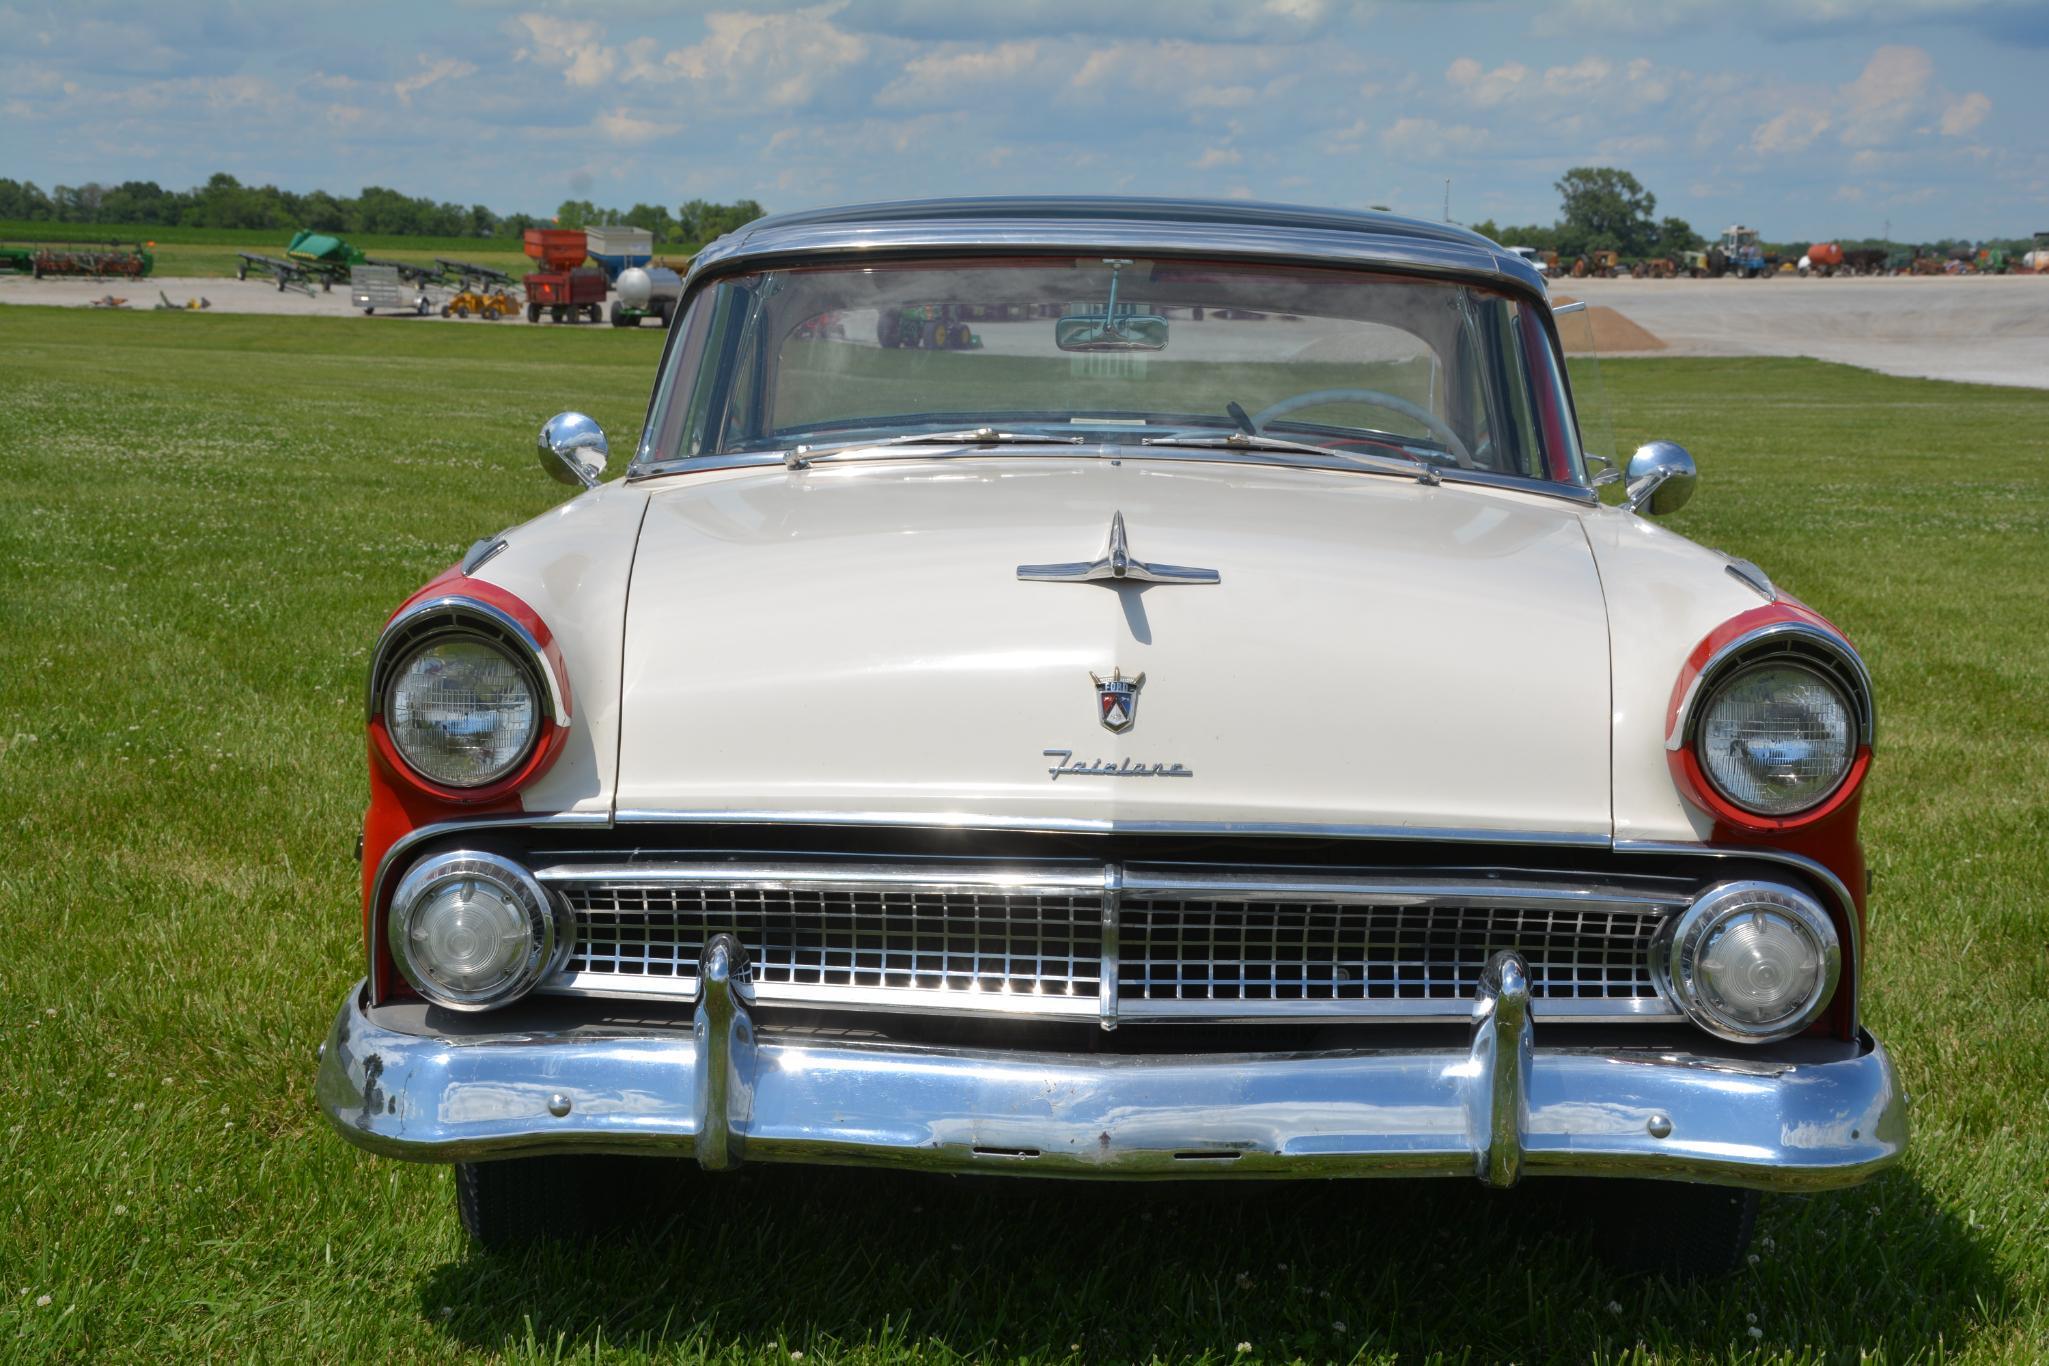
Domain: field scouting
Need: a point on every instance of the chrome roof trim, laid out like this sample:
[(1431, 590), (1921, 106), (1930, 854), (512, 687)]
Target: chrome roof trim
[(1572, 493), (1151, 227), (1085, 825)]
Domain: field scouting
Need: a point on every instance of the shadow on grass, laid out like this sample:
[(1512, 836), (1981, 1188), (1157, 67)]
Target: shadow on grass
[(829, 1261)]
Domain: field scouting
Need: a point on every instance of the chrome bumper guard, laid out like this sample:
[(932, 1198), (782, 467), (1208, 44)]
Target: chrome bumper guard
[(1498, 1109)]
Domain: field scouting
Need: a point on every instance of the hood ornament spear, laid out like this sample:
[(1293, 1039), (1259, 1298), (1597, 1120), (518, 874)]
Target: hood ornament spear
[(1115, 565)]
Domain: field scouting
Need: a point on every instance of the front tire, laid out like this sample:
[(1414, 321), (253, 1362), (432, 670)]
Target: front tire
[(510, 1203), (1674, 1229), (513, 1202)]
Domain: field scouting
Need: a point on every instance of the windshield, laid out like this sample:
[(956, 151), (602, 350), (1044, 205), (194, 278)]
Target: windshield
[(1117, 351)]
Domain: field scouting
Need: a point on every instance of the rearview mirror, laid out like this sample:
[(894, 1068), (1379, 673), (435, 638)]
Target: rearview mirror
[(573, 450), (1661, 478), (1100, 332)]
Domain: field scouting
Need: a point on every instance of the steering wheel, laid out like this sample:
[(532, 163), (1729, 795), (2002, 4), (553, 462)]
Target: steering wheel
[(1316, 398)]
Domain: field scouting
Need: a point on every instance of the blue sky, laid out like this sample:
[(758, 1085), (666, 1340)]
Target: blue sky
[(1806, 118)]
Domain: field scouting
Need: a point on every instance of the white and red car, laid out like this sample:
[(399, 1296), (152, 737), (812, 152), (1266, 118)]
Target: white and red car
[(1199, 722)]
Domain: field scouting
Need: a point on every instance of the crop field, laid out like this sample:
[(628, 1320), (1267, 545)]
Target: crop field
[(205, 519)]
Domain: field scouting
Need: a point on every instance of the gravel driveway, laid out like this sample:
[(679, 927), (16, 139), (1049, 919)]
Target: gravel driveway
[(1985, 329)]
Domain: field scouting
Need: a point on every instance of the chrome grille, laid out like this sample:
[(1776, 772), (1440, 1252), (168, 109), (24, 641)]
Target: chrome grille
[(943, 940), (1108, 942), (1180, 949), (829, 939)]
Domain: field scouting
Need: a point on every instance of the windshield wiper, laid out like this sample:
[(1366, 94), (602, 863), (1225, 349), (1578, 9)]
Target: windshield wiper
[(1425, 472), (798, 457)]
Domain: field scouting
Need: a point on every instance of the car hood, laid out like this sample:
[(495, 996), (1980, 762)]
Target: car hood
[(853, 643)]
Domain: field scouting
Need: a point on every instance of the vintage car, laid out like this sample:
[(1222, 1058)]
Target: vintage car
[(1211, 727)]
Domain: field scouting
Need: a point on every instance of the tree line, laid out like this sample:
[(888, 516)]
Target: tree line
[(1602, 208), (224, 202), (693, 224)]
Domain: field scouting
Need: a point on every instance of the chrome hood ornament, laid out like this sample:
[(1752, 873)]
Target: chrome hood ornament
[(1115, 566)]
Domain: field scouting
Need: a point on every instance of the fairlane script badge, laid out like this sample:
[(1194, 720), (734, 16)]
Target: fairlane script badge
[(1065, 767), (1117, 699)]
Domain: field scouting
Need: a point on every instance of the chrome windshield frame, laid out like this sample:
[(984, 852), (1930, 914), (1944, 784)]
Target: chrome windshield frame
[(1421, 250), (854, 457)]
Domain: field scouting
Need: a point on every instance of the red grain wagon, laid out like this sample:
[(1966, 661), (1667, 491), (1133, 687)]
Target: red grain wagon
[(567, 292)]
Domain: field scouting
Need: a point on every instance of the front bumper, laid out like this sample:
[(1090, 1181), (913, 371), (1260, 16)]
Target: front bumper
[(1497, 1109)]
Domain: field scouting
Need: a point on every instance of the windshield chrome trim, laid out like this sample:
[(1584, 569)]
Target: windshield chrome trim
[(864, 455), (1136, 235)]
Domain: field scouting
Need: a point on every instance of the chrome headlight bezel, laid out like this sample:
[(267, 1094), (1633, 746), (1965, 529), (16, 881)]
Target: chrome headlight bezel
[(1786, 644), (1749, 669), (1676, 958), (449, 619), (550, 930)]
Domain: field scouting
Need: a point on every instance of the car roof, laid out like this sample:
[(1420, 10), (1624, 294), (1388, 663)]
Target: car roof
[(1197, 227)]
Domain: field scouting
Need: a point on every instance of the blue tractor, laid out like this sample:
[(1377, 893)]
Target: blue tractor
[(1737, 254)]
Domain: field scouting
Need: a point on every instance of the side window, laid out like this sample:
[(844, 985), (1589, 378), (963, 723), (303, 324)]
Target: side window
[(668, 421), (706, 414), (1467, 405), (1522, 451)]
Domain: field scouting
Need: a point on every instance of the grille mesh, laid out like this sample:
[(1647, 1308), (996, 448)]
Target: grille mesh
[(1177, 952), (1200, 950), (1048, 943)]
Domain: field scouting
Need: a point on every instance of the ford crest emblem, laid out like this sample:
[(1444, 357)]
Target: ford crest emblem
[(1117, 699)]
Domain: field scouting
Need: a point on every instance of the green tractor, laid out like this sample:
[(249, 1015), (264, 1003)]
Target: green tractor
[(928, 327), (322, 255)]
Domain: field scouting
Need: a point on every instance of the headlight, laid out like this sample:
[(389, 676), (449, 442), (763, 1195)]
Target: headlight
[(1751, 961), (1776, 738), (472, 930), (462, 711)]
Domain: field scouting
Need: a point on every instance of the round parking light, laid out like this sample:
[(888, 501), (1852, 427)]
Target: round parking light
[(1751, 961), (474, 930)]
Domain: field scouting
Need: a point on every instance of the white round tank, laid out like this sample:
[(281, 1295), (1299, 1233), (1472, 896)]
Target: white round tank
[(642, 286)]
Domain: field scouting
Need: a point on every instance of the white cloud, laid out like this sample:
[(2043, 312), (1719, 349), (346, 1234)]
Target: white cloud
[(1965, 114), (776, 59), (1646, 84), (1486, 88), (1219, 96), (620, 126), (1345, 141), (1421, 139), (447, 69), (1581, 78), (1630, 145), (1790, 131), (937, 78), (576, 49), (1213, 157), (1886, 94)]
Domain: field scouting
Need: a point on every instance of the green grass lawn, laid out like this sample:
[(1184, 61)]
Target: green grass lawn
[(203, 522)]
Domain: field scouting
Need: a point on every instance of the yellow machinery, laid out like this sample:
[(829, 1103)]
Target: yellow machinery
[(494, 305)]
